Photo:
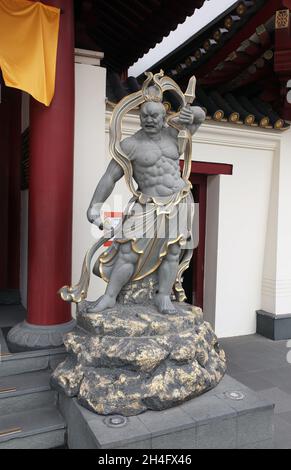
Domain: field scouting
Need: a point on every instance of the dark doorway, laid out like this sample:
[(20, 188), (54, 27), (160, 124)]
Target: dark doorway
[(193, 282), (10, 161)]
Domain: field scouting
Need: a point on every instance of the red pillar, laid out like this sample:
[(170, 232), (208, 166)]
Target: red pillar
[(51, 186)]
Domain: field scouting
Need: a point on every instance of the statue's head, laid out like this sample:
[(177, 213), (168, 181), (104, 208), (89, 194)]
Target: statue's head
[(152, 117)]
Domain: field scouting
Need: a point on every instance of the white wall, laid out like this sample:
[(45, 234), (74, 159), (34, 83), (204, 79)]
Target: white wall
[(240, 227), (283, 274), (89, 161), (276, 288)]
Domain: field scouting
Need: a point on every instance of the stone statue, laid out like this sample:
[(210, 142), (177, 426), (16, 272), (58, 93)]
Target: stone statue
[(154, 154), (140, 346)]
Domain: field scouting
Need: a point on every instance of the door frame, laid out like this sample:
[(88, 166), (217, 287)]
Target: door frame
[(199, 174), (198, 268)]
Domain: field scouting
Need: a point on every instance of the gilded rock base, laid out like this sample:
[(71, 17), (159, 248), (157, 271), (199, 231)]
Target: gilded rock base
[(130, 358)]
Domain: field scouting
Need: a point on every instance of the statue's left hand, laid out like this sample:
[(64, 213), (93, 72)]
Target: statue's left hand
[(186, 116), (198, 115)]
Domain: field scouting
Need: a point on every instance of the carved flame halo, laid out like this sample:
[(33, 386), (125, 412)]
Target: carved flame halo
[(153, 92)]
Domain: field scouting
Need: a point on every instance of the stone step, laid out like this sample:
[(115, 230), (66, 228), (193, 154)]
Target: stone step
[(26, 391), (29, 361), (41, 428)]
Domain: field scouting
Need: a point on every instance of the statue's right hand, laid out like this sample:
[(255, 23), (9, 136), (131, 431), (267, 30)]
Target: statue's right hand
[(93, 216)]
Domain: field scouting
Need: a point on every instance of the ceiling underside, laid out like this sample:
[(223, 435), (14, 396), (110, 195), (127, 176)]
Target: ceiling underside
[(126, 29)]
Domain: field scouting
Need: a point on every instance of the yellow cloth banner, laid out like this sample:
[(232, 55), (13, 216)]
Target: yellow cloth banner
[(28, 47)]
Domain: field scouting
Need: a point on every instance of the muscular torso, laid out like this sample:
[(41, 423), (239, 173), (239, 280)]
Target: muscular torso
[(155, 163)]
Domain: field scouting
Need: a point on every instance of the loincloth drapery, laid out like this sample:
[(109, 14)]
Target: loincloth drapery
[(151, 225)]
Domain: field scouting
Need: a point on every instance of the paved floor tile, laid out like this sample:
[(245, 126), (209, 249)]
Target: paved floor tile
[(281, 399), (252, 380), (261, 364), (282, 434)]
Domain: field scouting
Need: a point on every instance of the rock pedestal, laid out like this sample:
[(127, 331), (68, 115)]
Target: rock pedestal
[(130, 358)]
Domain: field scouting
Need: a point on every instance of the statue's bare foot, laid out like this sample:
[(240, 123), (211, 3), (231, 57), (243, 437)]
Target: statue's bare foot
[(164, 304), (103, 303)]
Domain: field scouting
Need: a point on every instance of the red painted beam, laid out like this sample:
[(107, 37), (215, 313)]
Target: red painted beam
[(282, 58), (261, 17), (260, 74), (282, 63), (208, 168)]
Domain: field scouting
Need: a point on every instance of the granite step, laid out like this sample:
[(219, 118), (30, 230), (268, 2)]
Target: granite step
[(29, 361), (26, 391), (41, 428)]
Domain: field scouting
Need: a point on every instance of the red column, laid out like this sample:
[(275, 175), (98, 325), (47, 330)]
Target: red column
[(51, 186)]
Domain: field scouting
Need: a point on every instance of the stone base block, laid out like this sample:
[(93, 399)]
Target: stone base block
[(276, 327), (231, 416)]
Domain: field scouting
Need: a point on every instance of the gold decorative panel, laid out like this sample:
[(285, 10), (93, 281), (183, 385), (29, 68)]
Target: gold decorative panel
[(282, 19)]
